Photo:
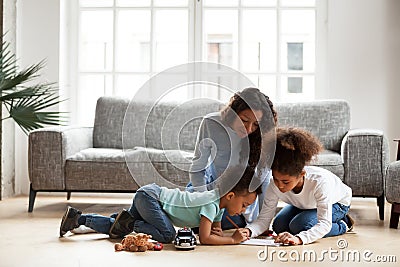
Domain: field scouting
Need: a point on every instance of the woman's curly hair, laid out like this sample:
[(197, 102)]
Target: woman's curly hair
[(254, 99), (295, 148)]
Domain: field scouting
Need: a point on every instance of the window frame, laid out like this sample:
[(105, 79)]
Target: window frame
[(196, 48)]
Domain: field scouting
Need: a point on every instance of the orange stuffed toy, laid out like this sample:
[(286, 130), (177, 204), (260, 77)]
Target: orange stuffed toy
[(135, 242)]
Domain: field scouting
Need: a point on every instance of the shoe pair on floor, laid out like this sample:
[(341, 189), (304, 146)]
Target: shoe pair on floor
[(122, 225)]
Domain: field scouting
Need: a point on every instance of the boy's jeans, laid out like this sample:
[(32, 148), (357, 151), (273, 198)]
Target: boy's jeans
[(294, 220), (149, 215)]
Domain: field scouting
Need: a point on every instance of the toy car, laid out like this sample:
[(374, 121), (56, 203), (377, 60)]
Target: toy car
[(185, 239)]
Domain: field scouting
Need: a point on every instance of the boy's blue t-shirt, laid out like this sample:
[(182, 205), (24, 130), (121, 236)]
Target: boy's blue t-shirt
[(185, 208)]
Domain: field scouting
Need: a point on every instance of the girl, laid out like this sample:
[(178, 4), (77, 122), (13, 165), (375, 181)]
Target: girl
[(155, 210), (318, 200), (234, 136)]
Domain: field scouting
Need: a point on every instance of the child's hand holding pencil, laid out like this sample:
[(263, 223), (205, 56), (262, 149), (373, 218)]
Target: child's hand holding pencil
[(240, 233)]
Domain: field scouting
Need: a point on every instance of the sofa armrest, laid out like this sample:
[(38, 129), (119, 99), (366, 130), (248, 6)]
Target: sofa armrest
[(48, 150), (365, 154), (392, 183)]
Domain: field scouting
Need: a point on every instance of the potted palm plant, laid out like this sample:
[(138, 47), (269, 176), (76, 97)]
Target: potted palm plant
[(24, 99)]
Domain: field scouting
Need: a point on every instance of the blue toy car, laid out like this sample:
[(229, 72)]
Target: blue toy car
[(185, 239)]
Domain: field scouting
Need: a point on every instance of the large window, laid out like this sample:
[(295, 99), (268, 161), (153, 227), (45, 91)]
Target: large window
[(119, 44)]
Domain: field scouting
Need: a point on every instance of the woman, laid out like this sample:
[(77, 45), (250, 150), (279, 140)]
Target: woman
[(232, 136)]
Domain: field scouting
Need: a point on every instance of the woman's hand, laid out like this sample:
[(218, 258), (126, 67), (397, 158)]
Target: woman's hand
[(217, 231), (240, 235), (288, 239)]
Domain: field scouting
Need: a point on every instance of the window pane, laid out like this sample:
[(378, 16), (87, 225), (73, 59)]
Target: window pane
[(266, 84), (220, 3), (298, 3), (97, 3), (171, 38), (135, 3), (178, 94), (127, 85), (295, 85), (133, 40), (169, 3), (220, 37), (213, 91), (258, 52), (263, 3), (298, 26), (93, 86), (95, 44), (295, 56), (292, 85)]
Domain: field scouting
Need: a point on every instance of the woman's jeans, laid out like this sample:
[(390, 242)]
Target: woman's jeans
[(294, 220), (147, 212)]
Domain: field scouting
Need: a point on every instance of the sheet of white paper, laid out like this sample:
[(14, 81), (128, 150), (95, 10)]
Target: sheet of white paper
[(260, 242)]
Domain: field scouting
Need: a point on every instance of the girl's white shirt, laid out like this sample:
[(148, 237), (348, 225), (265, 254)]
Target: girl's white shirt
[(321, 190)]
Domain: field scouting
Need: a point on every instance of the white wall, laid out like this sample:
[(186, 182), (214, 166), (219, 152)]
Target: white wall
[(392, 71), (8, 141), (363, 51), (37, 38), (363, 61)]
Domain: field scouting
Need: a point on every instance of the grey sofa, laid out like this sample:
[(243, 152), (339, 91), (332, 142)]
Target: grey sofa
[(392, 188), (103, 158)]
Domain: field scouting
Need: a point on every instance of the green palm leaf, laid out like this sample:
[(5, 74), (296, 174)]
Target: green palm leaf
[(27, 104)]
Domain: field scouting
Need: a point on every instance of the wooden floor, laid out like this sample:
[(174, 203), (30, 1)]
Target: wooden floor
[(31, 239)]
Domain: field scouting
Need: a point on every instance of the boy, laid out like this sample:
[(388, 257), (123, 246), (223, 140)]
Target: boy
[(155, 210)]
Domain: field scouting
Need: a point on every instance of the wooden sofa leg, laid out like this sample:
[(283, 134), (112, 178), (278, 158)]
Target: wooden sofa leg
[(394, 216), (32, 196), (68, 195), (381, 206)]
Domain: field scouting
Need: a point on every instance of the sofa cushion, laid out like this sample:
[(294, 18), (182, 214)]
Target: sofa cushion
[(173, 126), (109, 117), (329, 120), (331, 161), (101, 176), (108, 166), (120, 123), (137, 154)]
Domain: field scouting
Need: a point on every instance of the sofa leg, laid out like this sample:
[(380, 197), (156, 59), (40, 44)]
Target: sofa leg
[(32, 196), (68, 195), (381, 206), (394, 215)]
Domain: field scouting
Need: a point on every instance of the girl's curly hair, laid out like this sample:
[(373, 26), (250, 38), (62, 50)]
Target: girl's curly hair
[(254, 99), (295, 148)]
